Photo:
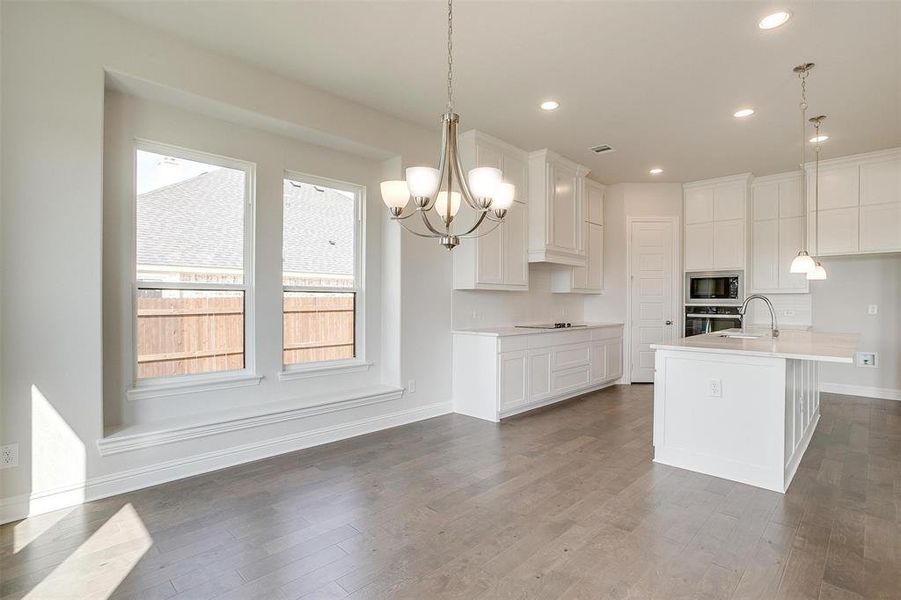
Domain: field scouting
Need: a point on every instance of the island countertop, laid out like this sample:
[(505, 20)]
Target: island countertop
[(802, 345)]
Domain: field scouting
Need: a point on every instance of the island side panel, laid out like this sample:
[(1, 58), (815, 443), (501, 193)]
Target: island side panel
[(737, 435), (475, 376), (802, 411)]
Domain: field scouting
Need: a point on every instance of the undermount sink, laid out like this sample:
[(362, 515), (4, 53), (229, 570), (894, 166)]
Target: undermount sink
[(740, 336)]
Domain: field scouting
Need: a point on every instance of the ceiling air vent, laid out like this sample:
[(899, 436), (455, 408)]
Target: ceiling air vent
[(601, 149)]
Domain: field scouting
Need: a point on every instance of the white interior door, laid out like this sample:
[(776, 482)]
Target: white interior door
[(651, 297)]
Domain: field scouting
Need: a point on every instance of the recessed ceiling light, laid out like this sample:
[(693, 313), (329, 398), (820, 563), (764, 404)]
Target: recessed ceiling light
[(819, 138), (550, 105), (656, 171), (745, 112), (774, 20)]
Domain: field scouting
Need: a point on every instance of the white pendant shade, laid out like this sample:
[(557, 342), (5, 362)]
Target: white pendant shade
[(818, 273), (395, 194), (441, 204), (802, 263), (422, 181), (503, 196), (483, 181)]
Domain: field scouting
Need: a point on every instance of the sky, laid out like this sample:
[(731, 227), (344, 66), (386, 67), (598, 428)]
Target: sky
[(157, 170)]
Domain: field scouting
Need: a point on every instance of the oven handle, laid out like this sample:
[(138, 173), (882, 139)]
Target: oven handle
[(734, 317)]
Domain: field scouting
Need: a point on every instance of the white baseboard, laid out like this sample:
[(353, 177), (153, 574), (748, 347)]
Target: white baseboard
[(19, 507), (861, 390)]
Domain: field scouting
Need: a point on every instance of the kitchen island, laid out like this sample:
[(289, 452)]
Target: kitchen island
[(741, 404)]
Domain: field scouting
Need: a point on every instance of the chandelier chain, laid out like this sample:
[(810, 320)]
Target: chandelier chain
[(450, 56)]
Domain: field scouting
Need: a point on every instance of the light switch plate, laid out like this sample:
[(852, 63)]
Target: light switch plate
[(9, 456), (873, 309)]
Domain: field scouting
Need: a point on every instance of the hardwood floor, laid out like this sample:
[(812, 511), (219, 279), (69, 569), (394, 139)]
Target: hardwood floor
[(560, 503)]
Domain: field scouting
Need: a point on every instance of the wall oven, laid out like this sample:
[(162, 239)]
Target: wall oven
[(714, 287), (708, 319)]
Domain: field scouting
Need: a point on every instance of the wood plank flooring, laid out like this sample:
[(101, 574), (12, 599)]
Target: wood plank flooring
[(560, 503)]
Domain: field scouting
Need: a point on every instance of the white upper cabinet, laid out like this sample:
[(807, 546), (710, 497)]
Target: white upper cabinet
[(715, 223), (859, 204), (776, 234), (588, 279), (499, 259), (557, 209)]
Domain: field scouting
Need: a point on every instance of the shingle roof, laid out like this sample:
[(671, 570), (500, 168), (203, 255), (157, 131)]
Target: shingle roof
[(198, 223)]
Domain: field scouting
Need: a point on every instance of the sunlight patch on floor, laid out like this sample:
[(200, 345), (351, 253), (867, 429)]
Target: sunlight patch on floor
[(27, 531), (97, 567)]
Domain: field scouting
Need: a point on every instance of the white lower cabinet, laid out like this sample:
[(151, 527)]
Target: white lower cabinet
[(497, 375)]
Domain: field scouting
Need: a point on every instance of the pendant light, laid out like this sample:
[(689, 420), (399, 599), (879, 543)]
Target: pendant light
[(442, 191), (803, 263), (818, 273)]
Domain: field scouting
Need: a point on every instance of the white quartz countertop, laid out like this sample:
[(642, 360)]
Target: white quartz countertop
[(506, 331), (802, 345)]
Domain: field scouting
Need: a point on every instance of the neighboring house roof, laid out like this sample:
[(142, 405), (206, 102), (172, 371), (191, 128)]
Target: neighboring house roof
[(199, 223)]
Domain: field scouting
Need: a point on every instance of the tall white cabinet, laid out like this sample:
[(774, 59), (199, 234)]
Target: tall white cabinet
[(590, 278), (556, 209), (777, 234), (498, 260), (859, 204), (715, 223)]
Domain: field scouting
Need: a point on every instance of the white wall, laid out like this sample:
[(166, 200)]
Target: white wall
[(840, 304), (53, 66), (481, 308)]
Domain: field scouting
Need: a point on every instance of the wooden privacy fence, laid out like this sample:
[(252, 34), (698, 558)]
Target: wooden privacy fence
[(180, 336)]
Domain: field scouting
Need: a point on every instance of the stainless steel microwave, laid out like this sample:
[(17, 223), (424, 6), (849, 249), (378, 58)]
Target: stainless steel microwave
[(714, 287)]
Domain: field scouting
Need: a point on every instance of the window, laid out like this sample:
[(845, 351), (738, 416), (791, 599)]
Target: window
[(320, 270), (193, 269)]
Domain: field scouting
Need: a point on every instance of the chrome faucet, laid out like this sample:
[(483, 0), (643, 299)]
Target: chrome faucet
[(744, 307)]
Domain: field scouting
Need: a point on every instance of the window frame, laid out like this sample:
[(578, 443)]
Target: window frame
[(358, 362), (170, 385)]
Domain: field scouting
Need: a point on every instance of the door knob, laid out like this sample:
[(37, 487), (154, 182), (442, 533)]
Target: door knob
[(669, 322)]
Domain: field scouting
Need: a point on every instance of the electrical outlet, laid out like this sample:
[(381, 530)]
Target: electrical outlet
[(873, 309), (867, 359), (9, 456), (411, 386), (788, 313), (715, 388)]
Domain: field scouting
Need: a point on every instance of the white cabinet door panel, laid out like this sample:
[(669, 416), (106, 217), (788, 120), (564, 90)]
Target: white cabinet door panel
[(838, 187), (567, 381), (595, 257), (729, 245), (880, 228), (699, 247), (766, 201), (595, 197), (790, 202), (516, 171), (580, 274), (539, 375), (598, 362), (516, 245), (698, 205), (729, 201), (565, 357), (490, 257), (765, 254), (614, 357), (790, 238), (837, 231), (512, 384), (880, 183), (566, 214)]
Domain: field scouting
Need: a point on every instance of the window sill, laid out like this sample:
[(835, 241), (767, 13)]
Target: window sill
[(323, 368), (162, 390)]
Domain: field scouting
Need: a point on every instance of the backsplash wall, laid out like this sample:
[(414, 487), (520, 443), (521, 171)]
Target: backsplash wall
[(482, 308)]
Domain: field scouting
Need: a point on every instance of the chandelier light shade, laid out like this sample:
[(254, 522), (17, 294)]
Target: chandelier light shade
[(438, 194)]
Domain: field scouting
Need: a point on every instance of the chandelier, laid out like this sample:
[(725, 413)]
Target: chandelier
[(803, 262), (441, 191)]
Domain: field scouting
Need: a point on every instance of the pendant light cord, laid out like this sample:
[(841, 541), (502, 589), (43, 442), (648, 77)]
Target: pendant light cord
[(802, 75), (450, 56)]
